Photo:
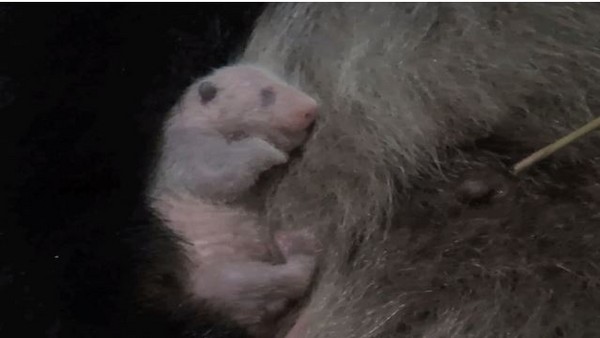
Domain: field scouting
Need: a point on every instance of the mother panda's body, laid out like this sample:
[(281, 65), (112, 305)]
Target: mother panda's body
[(417, 100)]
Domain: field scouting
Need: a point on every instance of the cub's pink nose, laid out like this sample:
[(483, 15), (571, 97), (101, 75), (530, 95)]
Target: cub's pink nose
[(302, 114)]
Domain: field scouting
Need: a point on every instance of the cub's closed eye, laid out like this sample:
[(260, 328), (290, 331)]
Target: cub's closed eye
[(207, 91)]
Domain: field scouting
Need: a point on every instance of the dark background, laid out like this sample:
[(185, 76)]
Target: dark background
[(83, 90)]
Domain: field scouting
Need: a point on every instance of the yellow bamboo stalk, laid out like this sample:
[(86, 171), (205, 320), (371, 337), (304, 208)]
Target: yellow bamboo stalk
[(553, 147)]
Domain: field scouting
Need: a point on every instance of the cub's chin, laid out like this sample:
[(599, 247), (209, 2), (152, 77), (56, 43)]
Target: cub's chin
[(288, 141)]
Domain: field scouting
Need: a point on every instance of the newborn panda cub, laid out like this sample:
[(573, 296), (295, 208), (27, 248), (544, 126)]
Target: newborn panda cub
[(227, 129)]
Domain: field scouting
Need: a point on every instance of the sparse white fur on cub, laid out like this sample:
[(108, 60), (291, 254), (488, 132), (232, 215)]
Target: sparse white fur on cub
[(227, 129)]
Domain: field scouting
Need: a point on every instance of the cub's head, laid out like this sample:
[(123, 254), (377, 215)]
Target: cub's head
[(240, 101)]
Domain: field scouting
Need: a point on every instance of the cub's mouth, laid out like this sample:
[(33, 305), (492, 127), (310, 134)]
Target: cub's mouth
[(289, 140), (284, 140)]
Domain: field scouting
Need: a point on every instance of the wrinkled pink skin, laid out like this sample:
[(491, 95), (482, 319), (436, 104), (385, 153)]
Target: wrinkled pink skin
[(203, 168)]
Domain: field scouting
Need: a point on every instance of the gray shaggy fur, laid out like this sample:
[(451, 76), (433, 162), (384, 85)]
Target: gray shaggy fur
[(421, 102)]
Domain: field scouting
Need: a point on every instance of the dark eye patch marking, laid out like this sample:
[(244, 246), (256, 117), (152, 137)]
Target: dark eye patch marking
[(207, 91), (267, 96)]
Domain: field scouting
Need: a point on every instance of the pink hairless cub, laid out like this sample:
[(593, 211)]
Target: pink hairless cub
[(227, 129)]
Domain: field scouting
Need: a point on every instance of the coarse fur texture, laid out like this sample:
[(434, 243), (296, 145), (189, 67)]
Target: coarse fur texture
[(227, 129), (424, 109)]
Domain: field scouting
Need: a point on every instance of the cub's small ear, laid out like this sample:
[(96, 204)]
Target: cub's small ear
[(207, 91)]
